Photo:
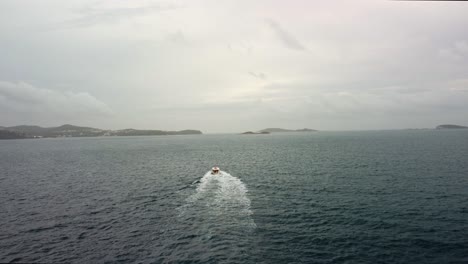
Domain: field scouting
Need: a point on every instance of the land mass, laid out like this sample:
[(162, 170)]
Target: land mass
[(255, 133), (6, 134), (451, 127), (16, 132), (279, 130)]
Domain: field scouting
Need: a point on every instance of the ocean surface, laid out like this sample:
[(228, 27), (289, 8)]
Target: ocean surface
[(325, 197)]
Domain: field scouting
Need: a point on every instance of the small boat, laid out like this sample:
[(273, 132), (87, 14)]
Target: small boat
[(214, 171)]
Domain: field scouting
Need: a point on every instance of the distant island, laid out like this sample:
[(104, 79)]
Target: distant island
[(451, 127), (18, 132), (255, 133), (6, 134), (279, 130)]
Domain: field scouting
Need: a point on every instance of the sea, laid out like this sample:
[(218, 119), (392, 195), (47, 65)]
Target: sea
[(325, 197)]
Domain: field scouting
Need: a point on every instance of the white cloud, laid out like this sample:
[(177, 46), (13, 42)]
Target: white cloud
[(286, 38), (105, 13), (459, 85), (27, 103), (258, 75), (462, 47), (456, 52), (219, 66)]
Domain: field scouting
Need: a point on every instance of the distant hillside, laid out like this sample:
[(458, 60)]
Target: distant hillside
[(31, 130), (451, 127), (6, 134), (77, 131), (61, 131), (279, 130)]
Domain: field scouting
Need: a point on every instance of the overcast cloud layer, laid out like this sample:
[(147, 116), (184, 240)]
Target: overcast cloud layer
[(232, 66)]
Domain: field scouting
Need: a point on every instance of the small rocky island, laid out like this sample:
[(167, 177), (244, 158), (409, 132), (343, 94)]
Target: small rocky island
[(18, 132), (255, 133), (277, 130), (451, 127)]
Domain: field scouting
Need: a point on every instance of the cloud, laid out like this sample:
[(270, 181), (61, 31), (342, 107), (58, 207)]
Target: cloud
[(457, 52), (177, 37), (306, 100), (91, 15), (459, 85), (241, 48), (221, 60), (258, 75), (288, 40), (28, 103), (461, 47)]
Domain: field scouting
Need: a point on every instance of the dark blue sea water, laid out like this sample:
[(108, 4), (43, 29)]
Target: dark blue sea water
[(326, 197)]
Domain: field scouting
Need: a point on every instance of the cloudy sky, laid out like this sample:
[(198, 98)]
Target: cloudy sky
[(232, 66)]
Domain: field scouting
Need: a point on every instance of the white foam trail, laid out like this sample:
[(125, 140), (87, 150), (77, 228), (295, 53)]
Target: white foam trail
[(224, 195)]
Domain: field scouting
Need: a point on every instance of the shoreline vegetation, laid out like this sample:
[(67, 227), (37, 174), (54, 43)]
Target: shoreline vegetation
[(24, 131)]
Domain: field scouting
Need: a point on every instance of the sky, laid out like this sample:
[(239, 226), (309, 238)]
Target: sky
[(233, 66)]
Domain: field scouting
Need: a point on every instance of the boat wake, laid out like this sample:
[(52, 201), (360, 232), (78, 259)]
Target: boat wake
[(215, 223), (220, 198)]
